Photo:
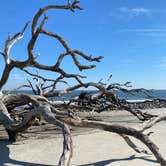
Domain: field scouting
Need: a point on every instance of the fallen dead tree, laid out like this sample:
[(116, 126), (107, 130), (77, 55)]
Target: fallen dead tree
[(146, 104), (63, 114)]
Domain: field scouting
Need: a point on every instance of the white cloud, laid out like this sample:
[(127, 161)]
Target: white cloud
[(139, 11), (130, 13), (135, 11)]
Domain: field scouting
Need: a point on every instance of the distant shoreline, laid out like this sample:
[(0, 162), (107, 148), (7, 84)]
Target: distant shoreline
[(140, 96)]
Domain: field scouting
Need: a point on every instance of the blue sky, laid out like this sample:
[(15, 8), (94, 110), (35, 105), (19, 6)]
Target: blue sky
[(130, 34)]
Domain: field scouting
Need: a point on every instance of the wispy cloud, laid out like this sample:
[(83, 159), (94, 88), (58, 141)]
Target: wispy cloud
[(144, 30), (149, 32), (162, 63), (125, 63), (135, 12), (17, 77), (162, 66), (130, 13)]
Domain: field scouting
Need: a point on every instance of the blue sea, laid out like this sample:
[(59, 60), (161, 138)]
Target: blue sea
[(127, 96)]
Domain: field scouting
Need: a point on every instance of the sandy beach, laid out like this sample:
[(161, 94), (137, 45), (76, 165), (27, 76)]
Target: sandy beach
[(91, 147)]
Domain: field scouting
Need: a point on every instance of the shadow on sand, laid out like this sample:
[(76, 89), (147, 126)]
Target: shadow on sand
[(4, 156), (5, 152), (106, 162)]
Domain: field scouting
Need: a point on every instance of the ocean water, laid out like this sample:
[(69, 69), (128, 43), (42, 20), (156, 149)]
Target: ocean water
[(151, 94), (127, 96)]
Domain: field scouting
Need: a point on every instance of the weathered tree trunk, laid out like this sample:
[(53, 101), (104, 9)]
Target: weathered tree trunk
[(43, 108), (67, 147), (119, 130)]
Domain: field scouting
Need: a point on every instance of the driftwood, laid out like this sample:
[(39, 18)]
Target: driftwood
[(42, 108), (28, 107)]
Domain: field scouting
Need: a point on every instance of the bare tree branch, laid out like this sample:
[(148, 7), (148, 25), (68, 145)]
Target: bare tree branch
[(11, 41), (132, 145), (42, 10), (153, 121), (119, 130)]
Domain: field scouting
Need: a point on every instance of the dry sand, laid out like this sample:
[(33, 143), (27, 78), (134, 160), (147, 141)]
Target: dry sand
[(91, 147)]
